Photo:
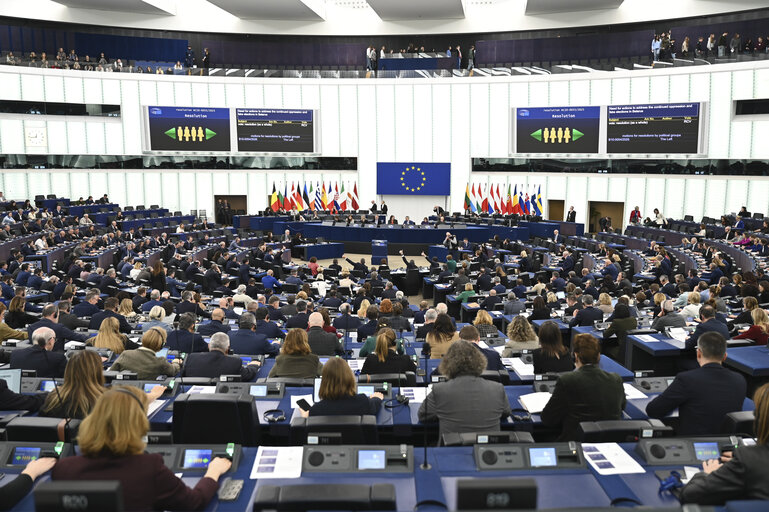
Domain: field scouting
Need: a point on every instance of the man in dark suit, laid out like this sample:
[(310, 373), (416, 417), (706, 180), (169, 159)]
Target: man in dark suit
[(216, 362), (40, 356), (471, 334), (110, 310), (559, 284), (575, 398), (184, 339), (246, 341), (708, 323), (460, 281), (140, 298), (273, 308), (369, 328), (108, 281), (492, 300), (587, 316), (215, 325), (667, 287), (265, 326), (422, 330), (332, 301), (345, 320), (567, 263), (89, 306), (705, 395), (299, 320), (321, 342), (50, 319), (188, 305), (571, 215), (67, 319)]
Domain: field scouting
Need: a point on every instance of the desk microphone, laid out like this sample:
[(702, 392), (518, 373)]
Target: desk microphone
[(425, 465)]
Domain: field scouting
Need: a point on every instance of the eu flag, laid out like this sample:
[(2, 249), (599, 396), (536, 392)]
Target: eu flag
[(413, 179)]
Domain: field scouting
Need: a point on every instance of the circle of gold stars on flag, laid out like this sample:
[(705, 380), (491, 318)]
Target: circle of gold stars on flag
[(418, 176)]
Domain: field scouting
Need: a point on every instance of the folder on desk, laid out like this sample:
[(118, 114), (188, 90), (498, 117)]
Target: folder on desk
[(535, 402)]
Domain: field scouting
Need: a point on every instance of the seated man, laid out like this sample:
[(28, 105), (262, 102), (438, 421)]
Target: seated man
[(40, 356), (184, 339), (705, 395), (586, 394), (708, 323), (246, 341), (215, 325), (216, 362), (321, 342), (493, 361)]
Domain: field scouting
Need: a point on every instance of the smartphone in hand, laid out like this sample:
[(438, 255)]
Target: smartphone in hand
[(303, 404)]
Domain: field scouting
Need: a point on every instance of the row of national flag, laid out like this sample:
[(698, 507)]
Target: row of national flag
[(314, 198), (492, 199)]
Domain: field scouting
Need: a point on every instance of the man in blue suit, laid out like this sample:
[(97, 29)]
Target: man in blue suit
[(50, 319), (587, 316), (173, 284), (715, 273), (708, 323), (89, 306), (265, 326), (559, 284), (493, 361), (184, 339), (610, 269), (345, 320), (246, 341), (567, 263), (269, 281), (215, 325), (110, 310), (23, 275)]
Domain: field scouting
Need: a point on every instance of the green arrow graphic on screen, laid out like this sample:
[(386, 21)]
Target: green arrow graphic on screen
[(171, 133), (537, 135), (576, 134), (210, 133)]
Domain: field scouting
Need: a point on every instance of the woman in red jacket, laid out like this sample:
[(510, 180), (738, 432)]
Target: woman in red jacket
[(759, 331), (112, 444)]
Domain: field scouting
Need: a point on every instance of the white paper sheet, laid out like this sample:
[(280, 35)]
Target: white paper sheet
[(277, 462), (155, 406), (202, 389), (535, 402), (678, 333), (689, 472), (355, 364), (523, 370), (610, 459), (631, 393), (416, 395), (296, 398), (647, 338)]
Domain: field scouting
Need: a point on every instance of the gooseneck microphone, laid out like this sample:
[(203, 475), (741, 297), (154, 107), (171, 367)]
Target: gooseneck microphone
[(425, 465)]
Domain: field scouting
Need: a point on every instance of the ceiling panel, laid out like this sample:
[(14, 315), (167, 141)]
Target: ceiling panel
[(418, 9), (552, 6), (299, 10), (141, 6)]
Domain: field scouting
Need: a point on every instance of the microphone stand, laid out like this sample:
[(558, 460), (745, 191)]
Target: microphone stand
[(425, 465)]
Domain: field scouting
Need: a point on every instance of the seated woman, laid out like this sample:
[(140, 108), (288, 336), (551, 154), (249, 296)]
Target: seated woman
[(83, 385), (385, 359), (539, 311), (17, 318), (466, 293), (604, 304), (15, 490), (618, 328), (157, 318), (112, 444), (295, 358), (313, 265), (759, 331), (466, 402), (484, 324), (385, 308), (692, 308), (126, 308), (144, 360), (438, 341), (520, 336), (398, 322), (739, 475), (6, 331), (552, 355), (111, 338), (369, 345), (338, 393), (552, 301)]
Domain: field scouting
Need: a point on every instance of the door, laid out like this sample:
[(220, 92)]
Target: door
[(555, 210), (599, 209)]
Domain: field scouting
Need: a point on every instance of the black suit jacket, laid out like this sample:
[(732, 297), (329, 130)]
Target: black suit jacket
[(10, 401), (702, 396), (191, 307), (213, 327), (571, 216), (99, 317), (105, 282), (298, 321), (366, 330), (324, 343), (588, 394), (47, 364), (62, 333), (586, 317), (214, 364)]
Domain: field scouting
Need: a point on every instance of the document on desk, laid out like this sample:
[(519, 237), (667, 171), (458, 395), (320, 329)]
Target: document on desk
[(154, 406), (277, 462), (535, 402), (610, 459), (678, 333), (355, 364), (296, 398), (631, 393), (202, 390), (523, 370), (647, 338), (416, 395)]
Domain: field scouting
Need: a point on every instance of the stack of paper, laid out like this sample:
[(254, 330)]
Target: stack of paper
[(523, 370), (647, 338), (678, 333), (155, 406), (631, 392), (535, 402), (202, 389)]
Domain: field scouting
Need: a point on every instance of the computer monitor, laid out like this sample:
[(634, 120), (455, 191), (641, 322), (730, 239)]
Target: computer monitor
[(366, 389), (12, 378)]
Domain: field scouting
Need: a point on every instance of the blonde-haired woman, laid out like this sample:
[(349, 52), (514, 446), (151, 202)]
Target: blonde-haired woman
[(363, 308), (485, 324), (759, 331), (520, 336), (112, 444), (111, 338), (126, 308), (604, 304), (692, 308)]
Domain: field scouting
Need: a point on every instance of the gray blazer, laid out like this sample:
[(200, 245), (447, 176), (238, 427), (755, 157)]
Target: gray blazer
[(145, 363), (466, 404)]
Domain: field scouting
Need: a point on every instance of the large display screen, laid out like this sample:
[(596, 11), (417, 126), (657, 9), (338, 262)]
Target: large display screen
[(269, 130), (661, 128), (188, 129), (557, 129), (413, 179)]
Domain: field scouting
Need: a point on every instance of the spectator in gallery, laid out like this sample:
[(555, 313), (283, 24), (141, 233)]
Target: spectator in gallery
[(178, 65), (206, 58), (189, 58)]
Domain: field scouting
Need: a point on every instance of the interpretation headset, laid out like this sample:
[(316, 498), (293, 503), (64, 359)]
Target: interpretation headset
[(521, 415), (274, 415)]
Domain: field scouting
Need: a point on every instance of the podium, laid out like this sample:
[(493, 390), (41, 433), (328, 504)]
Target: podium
[(378, 251)]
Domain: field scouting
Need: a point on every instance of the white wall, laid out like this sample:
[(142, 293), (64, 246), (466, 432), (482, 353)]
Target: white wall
[(483, 17), (437, 120)]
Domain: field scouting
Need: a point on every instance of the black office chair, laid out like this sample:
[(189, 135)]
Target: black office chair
[(620, 431), (501, 376), (325, 497), (215, 418), (739, 422), (471, 438), (291, 382), (351, 429), (41, 429), (394, 379), (91, 496)]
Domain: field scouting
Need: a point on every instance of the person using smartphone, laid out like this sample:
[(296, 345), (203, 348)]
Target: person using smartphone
[(338, 393)]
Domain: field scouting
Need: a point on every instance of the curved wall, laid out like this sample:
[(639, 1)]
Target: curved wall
[(451, 120)]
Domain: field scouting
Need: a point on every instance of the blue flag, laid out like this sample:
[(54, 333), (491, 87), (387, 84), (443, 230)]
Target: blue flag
[(413, 179)]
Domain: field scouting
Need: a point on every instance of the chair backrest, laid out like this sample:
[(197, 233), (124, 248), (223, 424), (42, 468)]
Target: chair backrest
[(739, 422), (41, 429), (288, 381), (215, 418), (353, 429), (83, 495), (340, 496), (497, 376), (620, 431), (394, 379)]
